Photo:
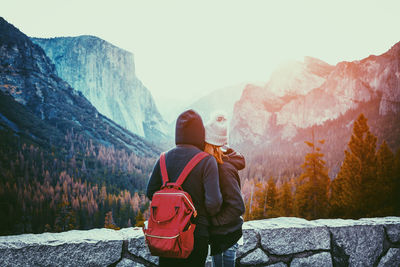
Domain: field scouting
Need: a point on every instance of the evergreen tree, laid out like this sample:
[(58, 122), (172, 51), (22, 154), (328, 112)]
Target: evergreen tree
[(259, 202), (65, 218), (139, 219), (271, 203), (312, 193), (109, 221), (286, 200), (354, 191), (396, 177), (385, 181)]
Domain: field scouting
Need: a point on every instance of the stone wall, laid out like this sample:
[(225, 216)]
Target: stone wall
[(271, 242)]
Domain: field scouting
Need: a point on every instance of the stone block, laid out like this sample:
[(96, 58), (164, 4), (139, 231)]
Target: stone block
[(97, 247), (323, 259), (283, 236), (256, 257), (250, 241)]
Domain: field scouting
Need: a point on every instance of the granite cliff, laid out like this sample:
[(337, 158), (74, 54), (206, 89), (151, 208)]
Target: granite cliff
[(105, 74), (29, 82), (300, 97)]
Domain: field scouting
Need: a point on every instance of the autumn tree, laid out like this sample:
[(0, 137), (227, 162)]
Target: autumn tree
[(271, 202), (258, 201), (65, 217), (396, 177), (139, 219), (285, 200), (355, 189), (109, 221), (312, 192), (385, 181)]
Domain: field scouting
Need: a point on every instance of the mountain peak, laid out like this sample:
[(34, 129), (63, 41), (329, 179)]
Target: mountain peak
[(395, 49), (298, 78), (9, 34), (28, 76), (105, 74)]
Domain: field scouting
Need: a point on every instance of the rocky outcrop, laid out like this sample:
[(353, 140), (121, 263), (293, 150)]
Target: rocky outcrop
[(105, 74), (271, 242), (30, 78), (302, 94)]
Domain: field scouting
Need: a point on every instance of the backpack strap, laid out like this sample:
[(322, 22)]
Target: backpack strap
[(189, 167), (163, 168)]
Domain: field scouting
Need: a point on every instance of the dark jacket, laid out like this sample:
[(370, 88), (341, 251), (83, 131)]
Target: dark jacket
[(202, 183), (226, 227)]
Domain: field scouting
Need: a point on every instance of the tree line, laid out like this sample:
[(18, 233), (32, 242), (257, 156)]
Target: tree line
[(78, 185), (82, 185), (367, 185)]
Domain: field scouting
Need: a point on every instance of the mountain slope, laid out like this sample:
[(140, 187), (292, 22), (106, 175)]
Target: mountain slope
[(105, 74), (218, 100), (276, 118), (29, 76)]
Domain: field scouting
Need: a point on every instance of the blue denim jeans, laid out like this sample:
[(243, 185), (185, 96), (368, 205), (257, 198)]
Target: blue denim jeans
[(226, 258)]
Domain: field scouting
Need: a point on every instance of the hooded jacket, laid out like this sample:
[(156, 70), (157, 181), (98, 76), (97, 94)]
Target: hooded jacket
[(202, 183), (226, 227)]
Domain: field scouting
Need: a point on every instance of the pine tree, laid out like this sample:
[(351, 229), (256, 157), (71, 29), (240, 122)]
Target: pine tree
[(385, 181), (271, 207), (354, 189), (139, 219), (109, 221), (286, 200), (396, 178), (259, 202), (65, 217), (345, 193), (312, 192)]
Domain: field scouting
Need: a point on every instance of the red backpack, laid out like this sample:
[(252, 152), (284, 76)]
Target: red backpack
[(170, 232)]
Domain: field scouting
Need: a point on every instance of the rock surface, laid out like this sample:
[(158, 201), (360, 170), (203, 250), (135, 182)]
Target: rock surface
[(317, 260), (310, 92), (105, 74), (273, 120), (98, 247), (129, 263), (256, 257), (29, 77), (361, 242), (298, 236), (393, 232), (391, 259)]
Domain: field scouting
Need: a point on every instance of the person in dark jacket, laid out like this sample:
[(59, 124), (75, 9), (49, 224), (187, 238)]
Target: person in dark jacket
[(226, 228), (202, 183)]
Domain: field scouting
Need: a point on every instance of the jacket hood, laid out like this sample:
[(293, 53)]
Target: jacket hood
[(234, 158), (190, 129)]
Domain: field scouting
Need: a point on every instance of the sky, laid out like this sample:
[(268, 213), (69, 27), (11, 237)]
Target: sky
[(185, 49)]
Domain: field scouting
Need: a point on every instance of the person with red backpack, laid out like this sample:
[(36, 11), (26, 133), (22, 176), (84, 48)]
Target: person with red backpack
[(185, 193)]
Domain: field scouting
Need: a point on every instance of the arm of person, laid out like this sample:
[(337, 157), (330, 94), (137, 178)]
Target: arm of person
[(233, 206), (213, 197), (155, 181)]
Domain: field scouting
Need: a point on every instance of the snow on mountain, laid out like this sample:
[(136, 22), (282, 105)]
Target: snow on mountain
[(105, 74)]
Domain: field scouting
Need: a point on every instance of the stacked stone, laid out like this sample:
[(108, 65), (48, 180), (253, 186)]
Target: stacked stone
[(298, 242), (272, 242)]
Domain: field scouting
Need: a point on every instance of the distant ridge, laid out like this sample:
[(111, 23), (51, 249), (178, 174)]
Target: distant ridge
[(30, 78), (105, 74)]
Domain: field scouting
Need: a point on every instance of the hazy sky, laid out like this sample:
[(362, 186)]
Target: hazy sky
[(186, 48)]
